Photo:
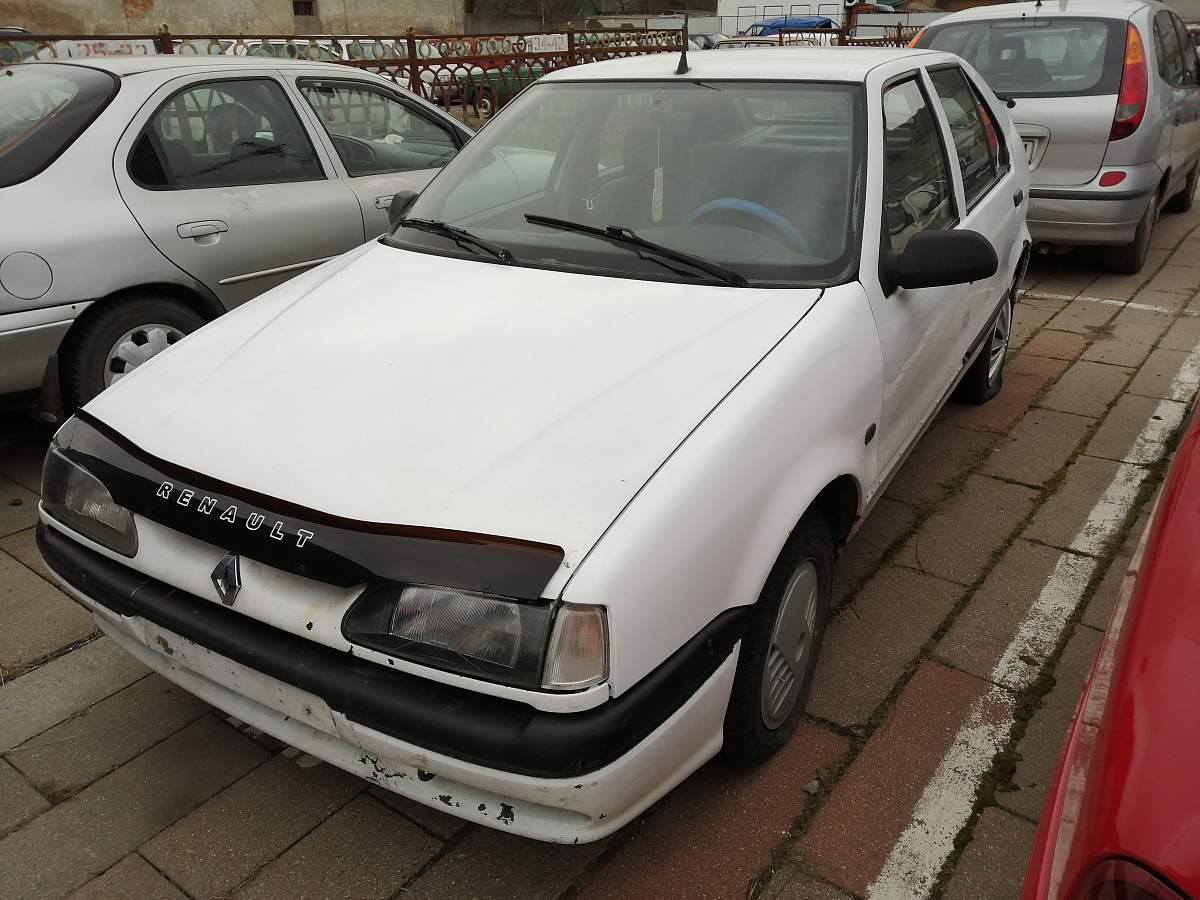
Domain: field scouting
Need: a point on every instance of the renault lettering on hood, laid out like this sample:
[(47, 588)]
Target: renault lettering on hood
[(531, 507)]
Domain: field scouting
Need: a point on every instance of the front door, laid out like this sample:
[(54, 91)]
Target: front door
[(226, 181), (385, 144), (918, 329)]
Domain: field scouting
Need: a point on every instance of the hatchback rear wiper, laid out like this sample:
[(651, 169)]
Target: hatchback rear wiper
[(619, 234), (460, 236)]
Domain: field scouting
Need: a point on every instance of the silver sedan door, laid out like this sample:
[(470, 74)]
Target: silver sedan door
[(225, 179), (385, 141)]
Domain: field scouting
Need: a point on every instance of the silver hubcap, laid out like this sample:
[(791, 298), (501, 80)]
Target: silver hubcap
[(999, 345), (791, 644), (136, 346)]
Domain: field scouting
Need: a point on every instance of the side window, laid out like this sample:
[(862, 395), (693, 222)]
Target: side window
[(1191, 75), (1167, 50), (917, 193), (373, 132), (224, 134), (981, 156)]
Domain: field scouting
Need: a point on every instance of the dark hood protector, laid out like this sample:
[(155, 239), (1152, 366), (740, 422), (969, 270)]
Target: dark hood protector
[(307, 542)]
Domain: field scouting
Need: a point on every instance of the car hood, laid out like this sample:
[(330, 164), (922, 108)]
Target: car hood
[(399, 387)]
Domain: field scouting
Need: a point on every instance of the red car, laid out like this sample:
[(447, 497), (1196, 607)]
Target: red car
[(1122, 816)]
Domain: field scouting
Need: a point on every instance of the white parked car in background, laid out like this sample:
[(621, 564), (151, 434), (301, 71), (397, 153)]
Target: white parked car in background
[(531, 507)]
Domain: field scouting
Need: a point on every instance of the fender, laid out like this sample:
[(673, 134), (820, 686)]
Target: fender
[(798, 421)]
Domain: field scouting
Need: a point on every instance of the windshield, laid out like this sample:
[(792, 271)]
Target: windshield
[(763, 179), (43, 108), (1050, 57)]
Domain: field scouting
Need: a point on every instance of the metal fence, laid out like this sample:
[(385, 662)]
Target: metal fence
[(470, 74)]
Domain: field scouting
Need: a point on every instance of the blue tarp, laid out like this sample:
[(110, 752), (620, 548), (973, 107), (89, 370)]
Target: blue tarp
[(769, 27)]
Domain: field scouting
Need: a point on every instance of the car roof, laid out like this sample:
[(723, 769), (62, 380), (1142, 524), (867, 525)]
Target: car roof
[(1107, 9), (791, 63), (132, 65)]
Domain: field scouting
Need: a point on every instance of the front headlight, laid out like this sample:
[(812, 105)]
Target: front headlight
[(483, 635), (74, 496)]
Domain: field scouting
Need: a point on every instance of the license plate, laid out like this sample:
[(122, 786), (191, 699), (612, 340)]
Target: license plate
[(1028, 151)]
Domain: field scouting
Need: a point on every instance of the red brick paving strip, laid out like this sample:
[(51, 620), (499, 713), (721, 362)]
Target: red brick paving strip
[(714, 833), (856, 828)]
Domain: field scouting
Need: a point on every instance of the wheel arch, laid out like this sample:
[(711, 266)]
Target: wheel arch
[(839, 502), (201, 302)]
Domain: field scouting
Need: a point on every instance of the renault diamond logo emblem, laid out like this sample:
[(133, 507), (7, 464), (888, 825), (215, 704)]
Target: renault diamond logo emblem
[(227, 578)]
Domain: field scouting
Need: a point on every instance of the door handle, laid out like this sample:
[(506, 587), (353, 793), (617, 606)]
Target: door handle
[(201, 229), (1018, 198), (384, 202)]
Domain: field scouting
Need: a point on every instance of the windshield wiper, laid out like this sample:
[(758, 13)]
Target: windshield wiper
[(460, 236), (619, 234)]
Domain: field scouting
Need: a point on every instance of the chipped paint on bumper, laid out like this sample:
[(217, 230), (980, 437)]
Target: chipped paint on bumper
[(571, 810)]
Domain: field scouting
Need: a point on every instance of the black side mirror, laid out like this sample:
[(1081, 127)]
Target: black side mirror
[(401, 201), (939, 258)]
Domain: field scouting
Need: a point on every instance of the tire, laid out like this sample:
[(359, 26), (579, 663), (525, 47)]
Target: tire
[(1129, 258), (147, 322), (754, 729), (1183, 201), (986, 375)]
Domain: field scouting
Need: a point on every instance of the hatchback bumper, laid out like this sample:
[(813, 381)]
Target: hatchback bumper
[(333, 722), (1090, 214)]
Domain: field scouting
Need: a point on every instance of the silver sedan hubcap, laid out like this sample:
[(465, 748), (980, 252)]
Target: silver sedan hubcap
[(999, 345), (136, 346), (791, 643)]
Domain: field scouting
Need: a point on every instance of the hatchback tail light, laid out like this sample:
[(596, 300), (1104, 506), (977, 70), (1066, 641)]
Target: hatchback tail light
[(1131, 99), (1120, 879), (916, 39)]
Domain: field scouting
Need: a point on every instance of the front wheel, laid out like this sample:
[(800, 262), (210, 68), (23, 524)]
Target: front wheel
[(779, 648)]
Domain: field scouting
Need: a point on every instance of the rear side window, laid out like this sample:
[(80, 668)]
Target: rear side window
[(1050, 57), (1191, 65), (224, 134), (44, 107), (1166, 50), (977, 140)]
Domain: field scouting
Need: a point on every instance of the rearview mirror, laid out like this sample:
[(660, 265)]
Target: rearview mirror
[(401, 201), (938, 259)]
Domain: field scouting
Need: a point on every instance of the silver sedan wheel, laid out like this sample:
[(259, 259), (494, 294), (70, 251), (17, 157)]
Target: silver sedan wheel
[(136, 346), (999, 343), (791, 643)]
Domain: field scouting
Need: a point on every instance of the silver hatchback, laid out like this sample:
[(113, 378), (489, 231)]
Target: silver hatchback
[(1106, 97), (142, 196)]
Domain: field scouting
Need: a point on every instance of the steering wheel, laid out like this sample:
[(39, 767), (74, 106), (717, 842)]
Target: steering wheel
[(738, 212), (353, 150)]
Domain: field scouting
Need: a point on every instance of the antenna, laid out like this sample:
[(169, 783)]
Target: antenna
[(682, 68)]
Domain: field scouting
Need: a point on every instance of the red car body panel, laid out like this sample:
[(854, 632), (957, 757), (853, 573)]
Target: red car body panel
[(1128, 781)]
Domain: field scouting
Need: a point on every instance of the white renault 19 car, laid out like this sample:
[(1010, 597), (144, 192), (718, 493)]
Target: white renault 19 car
[(529, 508)]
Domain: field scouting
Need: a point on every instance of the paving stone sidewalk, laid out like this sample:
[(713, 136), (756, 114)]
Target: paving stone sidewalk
[(116, 784)]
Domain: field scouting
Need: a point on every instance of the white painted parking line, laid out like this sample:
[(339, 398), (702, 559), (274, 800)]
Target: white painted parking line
[(1108, 301), (913, 865)]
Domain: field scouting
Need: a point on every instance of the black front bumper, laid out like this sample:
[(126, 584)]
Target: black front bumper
[(479, 728)]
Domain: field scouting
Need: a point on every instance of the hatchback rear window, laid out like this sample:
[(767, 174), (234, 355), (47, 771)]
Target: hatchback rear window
[(1050, 57), (43, 108)]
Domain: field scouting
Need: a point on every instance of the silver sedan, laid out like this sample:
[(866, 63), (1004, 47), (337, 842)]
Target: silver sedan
[(144, 196)]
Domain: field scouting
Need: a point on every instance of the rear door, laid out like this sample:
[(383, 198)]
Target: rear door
[(228, 183), (385, 142), (1064, 74), (994, 201)]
